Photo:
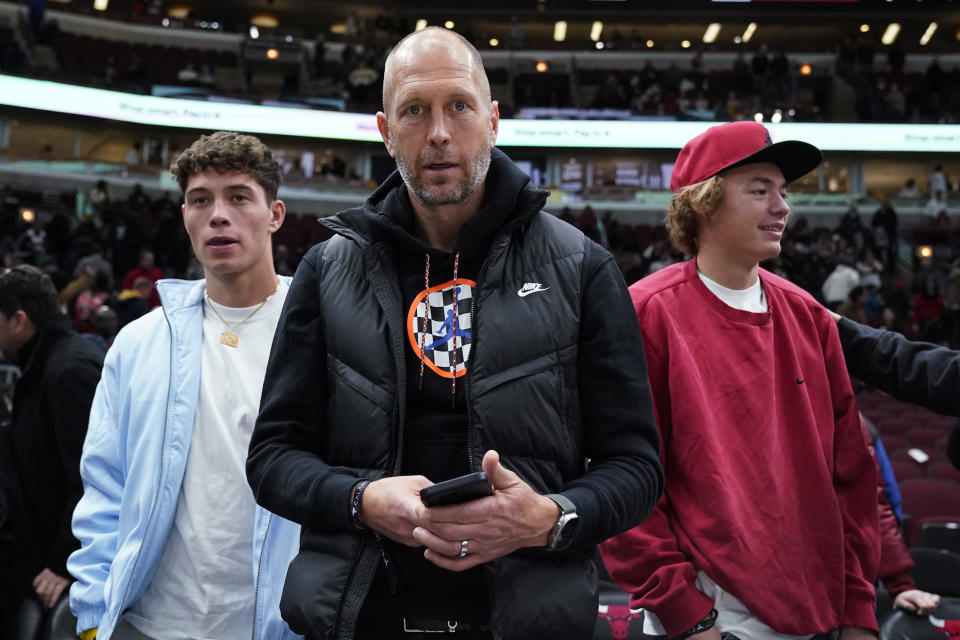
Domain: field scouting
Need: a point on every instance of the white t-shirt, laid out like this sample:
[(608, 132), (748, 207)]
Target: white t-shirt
[(750, 299), (732, 616), (203, 588)]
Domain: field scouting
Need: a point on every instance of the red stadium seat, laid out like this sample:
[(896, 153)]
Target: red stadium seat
[(891, 426), (928, 500), (920, 417), (945, 471), (924, 437), (894, 443), (907, 470)]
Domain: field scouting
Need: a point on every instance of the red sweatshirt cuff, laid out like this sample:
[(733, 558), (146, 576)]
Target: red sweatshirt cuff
[(897, 584), (860, 612), (684, 608)]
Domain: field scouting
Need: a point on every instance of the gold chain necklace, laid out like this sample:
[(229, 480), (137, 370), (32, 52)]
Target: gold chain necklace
[(228, 337)]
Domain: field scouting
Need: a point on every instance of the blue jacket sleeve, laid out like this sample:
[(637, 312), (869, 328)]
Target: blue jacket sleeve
[(889, 480), (96, 517)]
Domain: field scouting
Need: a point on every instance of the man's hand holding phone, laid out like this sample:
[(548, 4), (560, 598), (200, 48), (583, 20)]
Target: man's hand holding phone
[(392, 506), (515, 516)]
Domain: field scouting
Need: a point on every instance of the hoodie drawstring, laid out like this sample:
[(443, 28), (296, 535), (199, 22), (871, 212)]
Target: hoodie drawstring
[(426, 320), (426, 316), (453, 356)]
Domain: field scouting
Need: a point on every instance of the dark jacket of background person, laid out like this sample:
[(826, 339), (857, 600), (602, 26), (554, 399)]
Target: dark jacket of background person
[(551, 381), (51, 405), (14, 582), (917, 372)]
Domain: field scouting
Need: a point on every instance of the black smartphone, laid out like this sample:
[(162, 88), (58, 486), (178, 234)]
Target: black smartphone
[(456, 490)]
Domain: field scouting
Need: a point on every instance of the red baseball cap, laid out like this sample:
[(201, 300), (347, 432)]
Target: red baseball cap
[(737, 143)]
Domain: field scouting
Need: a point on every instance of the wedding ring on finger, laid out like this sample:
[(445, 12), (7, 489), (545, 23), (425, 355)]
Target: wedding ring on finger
[(464, 548)]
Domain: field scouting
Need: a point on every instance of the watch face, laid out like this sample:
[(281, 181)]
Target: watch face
[(568, 527)]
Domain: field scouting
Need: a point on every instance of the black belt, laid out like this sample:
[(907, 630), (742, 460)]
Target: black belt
[(428, 625)]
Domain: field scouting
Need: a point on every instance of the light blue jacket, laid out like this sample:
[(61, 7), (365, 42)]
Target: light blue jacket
[(133, 464)]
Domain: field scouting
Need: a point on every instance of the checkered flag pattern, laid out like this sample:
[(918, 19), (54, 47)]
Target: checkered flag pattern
[(438, 341)]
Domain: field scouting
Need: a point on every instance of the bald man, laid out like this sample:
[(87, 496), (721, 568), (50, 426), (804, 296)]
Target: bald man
[(450, 326)]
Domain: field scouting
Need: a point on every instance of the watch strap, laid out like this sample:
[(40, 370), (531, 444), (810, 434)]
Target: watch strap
[(566, 506)]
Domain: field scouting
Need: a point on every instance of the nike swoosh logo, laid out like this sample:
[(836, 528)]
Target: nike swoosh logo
[(523, 293)]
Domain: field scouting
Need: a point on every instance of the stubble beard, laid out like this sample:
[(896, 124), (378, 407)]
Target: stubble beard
[(437, 195)]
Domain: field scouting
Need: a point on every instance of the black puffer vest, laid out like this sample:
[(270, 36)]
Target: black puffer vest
[(522, 401)]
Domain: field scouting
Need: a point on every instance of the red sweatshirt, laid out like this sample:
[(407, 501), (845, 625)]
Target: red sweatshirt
[(770, 489)]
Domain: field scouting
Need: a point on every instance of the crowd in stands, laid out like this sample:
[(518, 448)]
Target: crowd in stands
[(111, 253), (345, 72)]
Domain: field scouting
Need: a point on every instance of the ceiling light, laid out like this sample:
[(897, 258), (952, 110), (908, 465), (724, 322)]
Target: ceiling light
[(449, 24), (776, 117), (928, 33), (100, 5), (541, 66), (599, 45), (27, 215), (650, 44), (494, 42), (712, 32), (891, 33), (595, 30), (560, 31), (864, 28), (421, 24), (267, 21), (273, 54), (165, 22), (806, 69), (758, 116), (738, 39), (749, 31), (925, 251), (685, 44), (254, 32)]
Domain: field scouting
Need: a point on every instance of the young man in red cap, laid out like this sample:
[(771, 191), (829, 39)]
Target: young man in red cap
[(768, 525)]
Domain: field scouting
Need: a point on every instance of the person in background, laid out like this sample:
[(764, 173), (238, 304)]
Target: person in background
[(895, 560), (918, 372), (146, 268), (51, 403)]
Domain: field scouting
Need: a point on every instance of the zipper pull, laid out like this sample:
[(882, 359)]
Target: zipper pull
[(389, 568)]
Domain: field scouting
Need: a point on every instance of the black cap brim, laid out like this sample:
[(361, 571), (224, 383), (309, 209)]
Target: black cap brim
[(794, 158)]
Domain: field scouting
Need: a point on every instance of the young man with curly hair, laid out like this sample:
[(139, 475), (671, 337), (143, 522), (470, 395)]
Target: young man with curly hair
[(768, 524), (173, 544)]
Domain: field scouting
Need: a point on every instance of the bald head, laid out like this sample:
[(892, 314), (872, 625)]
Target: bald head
[(416, 50)]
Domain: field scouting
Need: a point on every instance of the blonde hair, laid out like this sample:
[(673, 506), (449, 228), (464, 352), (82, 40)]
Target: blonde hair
[(686, 206)]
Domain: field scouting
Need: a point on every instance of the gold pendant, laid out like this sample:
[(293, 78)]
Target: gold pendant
[(229, 338)]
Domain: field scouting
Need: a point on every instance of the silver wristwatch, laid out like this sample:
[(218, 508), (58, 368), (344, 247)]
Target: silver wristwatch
[(567, 524)]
